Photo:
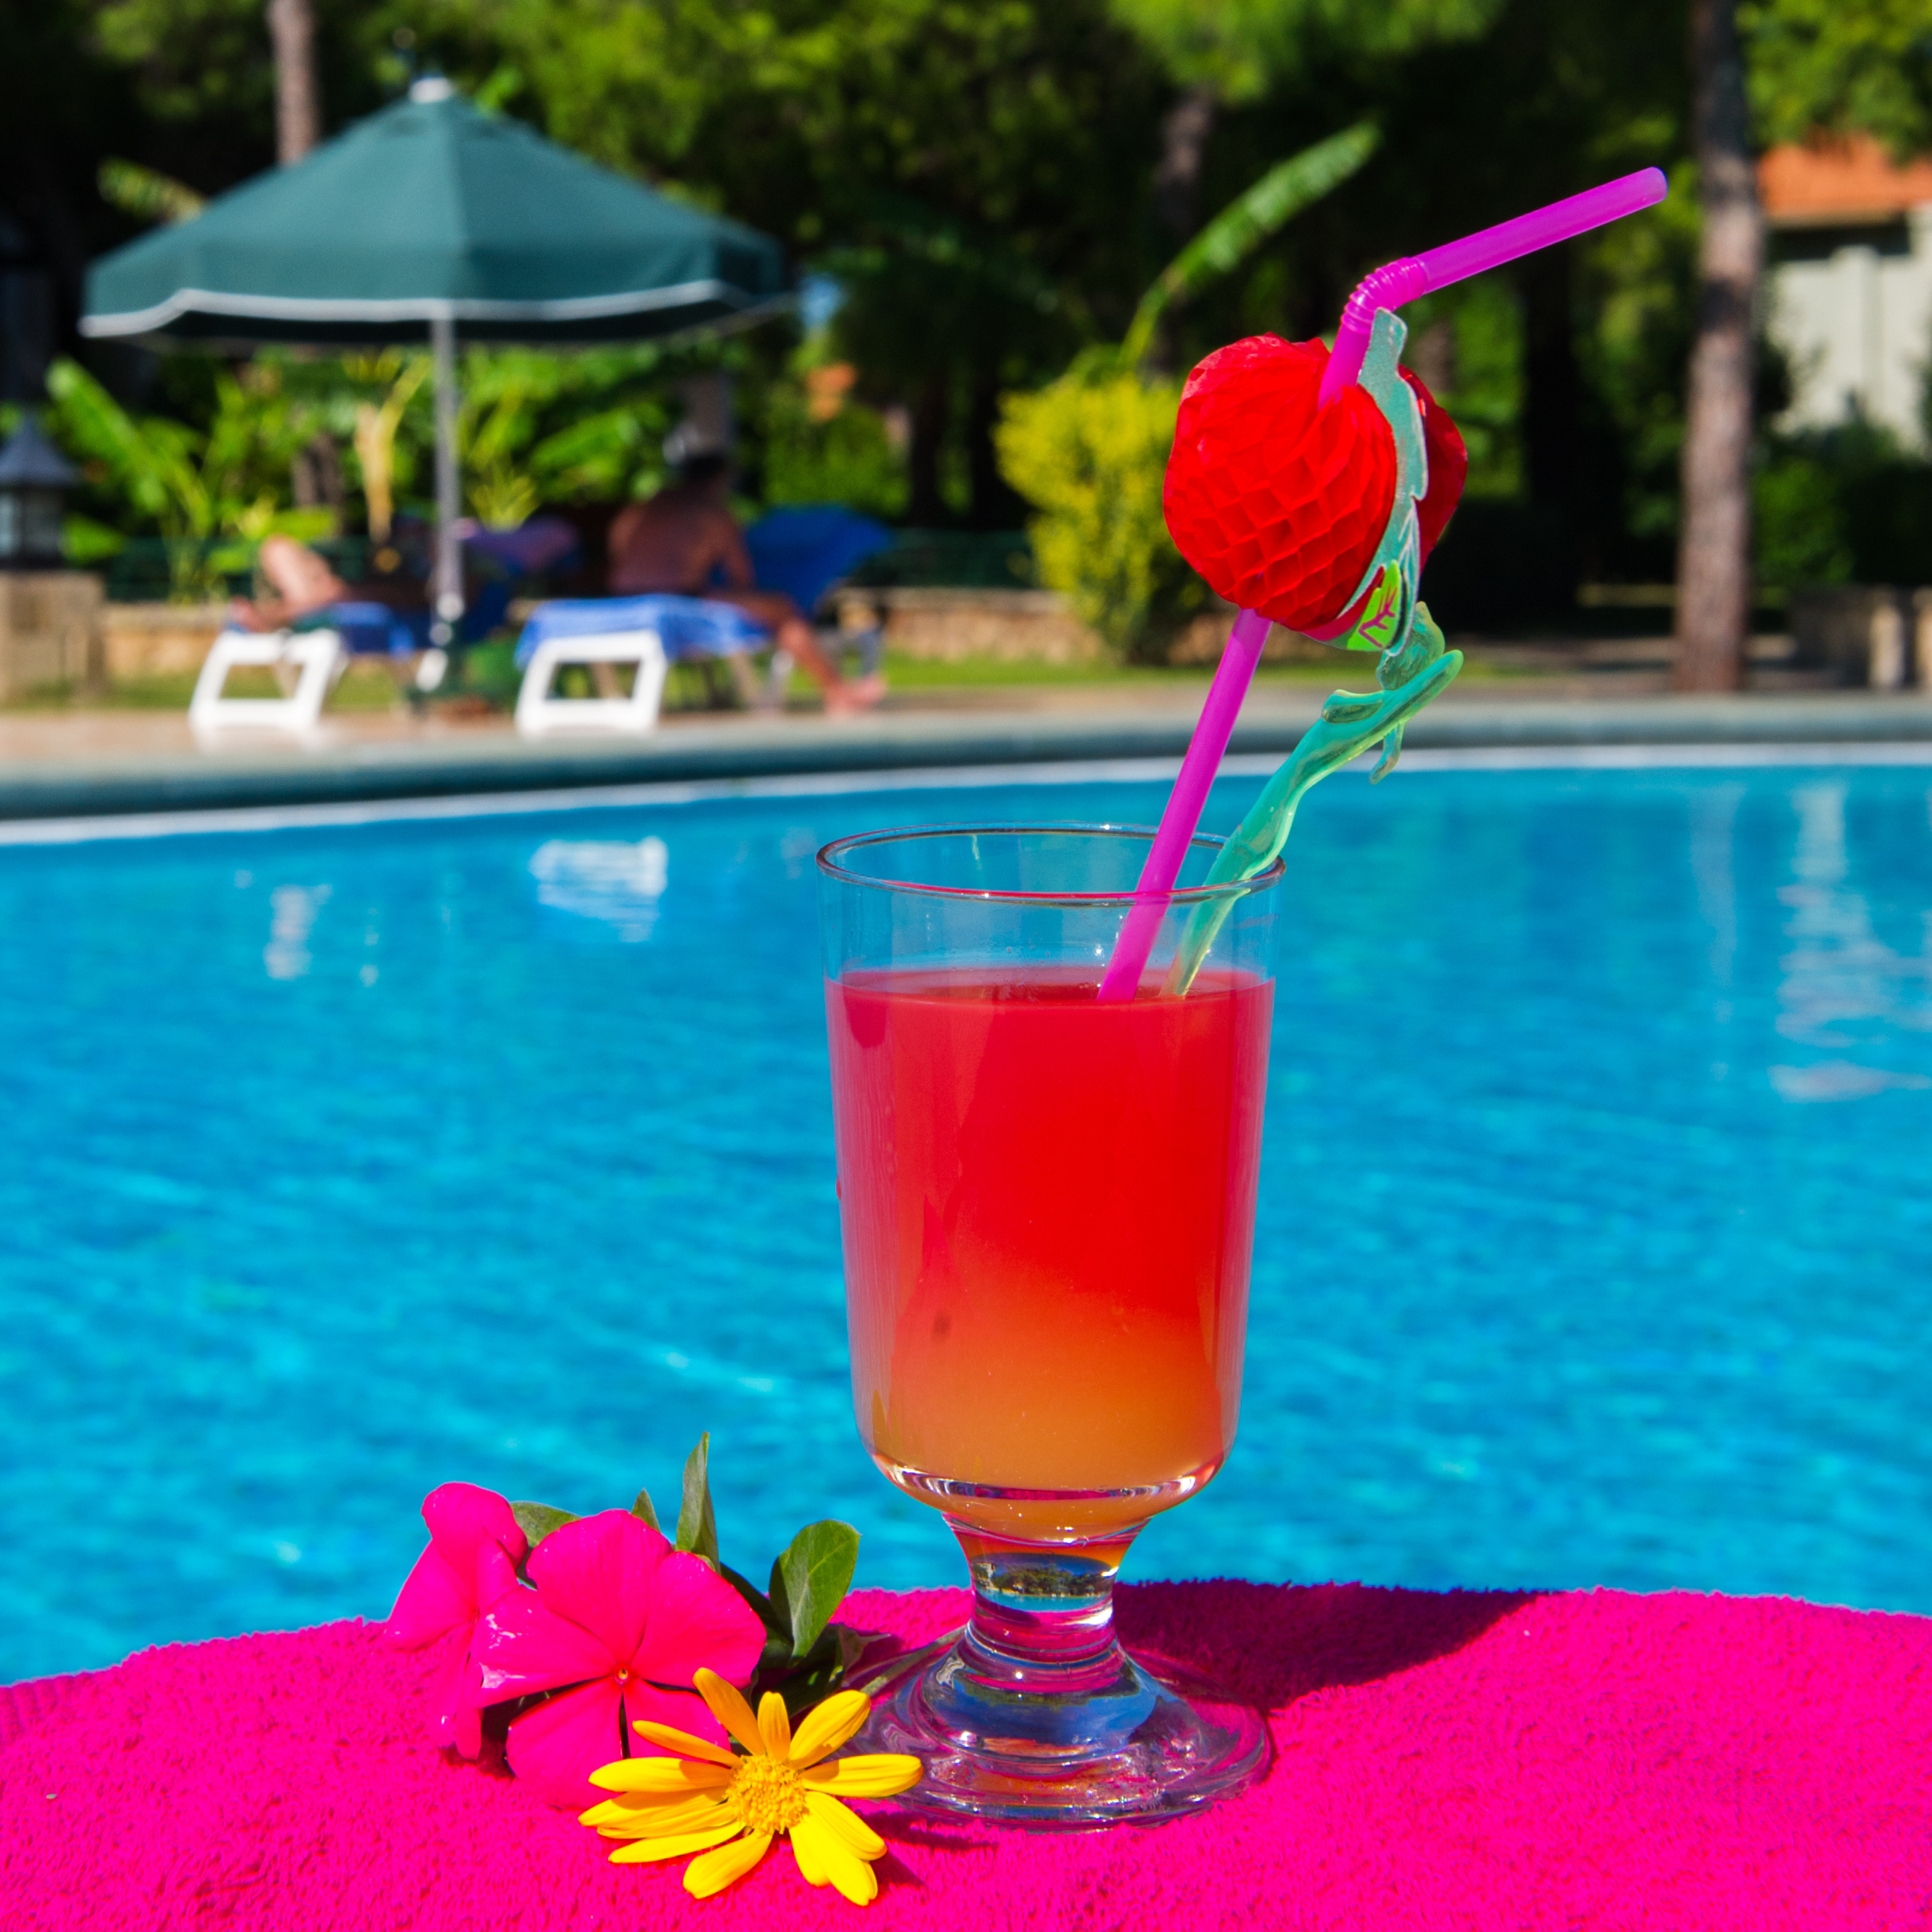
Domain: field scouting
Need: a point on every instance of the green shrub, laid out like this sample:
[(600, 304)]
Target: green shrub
[(1089, 452), (1847, 505)]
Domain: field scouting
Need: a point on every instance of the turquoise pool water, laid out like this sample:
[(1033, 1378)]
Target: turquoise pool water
[(1593, 1243)]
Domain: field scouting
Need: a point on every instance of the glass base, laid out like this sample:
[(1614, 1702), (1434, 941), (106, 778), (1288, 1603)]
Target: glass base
[(1145, 1740)]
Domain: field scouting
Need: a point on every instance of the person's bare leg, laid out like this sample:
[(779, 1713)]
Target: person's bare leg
[(842, 695), (780, 616)]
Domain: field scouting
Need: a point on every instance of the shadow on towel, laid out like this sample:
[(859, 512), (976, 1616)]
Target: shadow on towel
[(1272, 1643)]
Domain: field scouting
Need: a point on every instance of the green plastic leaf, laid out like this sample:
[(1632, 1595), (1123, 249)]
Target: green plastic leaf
[(642, 1510), (536, 1520), (810, 1579), (1381, 616), (696, 1527)]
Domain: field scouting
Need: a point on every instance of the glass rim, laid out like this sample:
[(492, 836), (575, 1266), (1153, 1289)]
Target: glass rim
[(830, 858)]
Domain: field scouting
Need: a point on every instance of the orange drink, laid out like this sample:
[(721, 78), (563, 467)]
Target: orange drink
[(1048, 1205)]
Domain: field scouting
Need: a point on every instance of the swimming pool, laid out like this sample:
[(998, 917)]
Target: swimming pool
[(1592, 1244)]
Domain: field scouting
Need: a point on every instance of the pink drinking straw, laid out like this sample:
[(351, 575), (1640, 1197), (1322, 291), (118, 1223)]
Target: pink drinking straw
[(1417, 275), (1184, 805), (1387, 287)]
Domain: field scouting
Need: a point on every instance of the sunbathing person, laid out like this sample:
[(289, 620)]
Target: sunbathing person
[(685, 542), (301, 580)]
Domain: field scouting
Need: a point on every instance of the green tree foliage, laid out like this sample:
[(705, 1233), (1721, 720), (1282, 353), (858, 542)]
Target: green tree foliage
[(1841, 66), (1239, 47), (197, 487), (974, 173)]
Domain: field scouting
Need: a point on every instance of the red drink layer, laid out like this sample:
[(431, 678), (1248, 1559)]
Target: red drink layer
[(1049, 1208)]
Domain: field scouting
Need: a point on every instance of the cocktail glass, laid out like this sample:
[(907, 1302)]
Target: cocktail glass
[(1048, 1205)]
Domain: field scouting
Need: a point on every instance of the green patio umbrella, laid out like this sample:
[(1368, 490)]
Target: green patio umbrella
[(432, 222)]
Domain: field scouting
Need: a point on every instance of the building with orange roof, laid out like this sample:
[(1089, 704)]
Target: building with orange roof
[(1850, 283)]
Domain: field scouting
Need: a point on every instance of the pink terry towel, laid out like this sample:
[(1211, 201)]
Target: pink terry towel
[(1593, 1760)]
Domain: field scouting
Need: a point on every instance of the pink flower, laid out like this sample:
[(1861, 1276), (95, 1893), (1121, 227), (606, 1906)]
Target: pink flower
[(627, 1620), (474, 1546)]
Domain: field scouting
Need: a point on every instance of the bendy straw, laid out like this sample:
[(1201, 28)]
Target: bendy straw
[(1416, 275)]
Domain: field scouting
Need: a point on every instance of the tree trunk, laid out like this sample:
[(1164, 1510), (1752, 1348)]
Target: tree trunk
[(927, 509), (297, 106), (315, 477), (996, 506), (1183, 146), (1714, 553)]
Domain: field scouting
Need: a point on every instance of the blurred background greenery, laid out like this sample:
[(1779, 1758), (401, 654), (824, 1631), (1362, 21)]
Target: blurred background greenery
[(987, 198)]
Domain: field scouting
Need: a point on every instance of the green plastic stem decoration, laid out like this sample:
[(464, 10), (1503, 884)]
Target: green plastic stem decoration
[(1413, 667)]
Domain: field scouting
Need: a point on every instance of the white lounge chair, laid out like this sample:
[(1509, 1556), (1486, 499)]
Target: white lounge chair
[(539, 710), (307, 664)]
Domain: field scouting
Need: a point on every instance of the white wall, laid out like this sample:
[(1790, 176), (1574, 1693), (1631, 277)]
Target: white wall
[(1857, 325)]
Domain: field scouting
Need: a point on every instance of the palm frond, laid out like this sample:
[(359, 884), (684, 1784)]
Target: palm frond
[(1248, 220)]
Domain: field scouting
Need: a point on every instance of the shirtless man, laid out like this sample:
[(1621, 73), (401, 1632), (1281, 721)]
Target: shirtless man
[(301, 580), (685, 536)]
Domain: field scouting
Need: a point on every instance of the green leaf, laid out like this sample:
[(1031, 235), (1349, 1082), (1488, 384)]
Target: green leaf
[(777, 1652), (642, 1510), (536, 1520), (810, 1579), (697, 1528), (1248, 220), (145, 193)]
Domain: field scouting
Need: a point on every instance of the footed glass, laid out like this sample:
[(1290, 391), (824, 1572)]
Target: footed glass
[(1047, 1201)]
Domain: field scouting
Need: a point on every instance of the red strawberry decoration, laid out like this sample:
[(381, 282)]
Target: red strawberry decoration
[(1280, 505)]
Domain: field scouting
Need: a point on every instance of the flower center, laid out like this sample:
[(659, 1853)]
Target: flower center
[(767, 1795)]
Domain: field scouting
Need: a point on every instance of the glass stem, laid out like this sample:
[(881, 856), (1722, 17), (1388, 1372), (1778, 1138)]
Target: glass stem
[(1043, 1619)]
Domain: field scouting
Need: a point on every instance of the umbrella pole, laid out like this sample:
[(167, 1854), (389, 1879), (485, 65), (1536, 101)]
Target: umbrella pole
[(447, 583)]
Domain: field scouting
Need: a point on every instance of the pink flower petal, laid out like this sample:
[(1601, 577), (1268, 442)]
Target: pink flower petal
[(696, 1619), (474, 1546), (599, 1572), (496, 1576), (458, 1720), (522, 1647), (461, 1517), (684, 1710), (433, 1600), (556, 1745)]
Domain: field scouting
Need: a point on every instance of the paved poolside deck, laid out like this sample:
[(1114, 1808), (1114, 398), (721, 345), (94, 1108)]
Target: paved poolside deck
[(60, 765)]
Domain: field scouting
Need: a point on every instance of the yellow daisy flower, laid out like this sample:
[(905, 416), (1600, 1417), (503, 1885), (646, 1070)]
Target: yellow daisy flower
[(730, 1808)]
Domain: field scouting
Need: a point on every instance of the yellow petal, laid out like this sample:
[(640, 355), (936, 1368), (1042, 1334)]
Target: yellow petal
[(881, 1776), (826, 1726), (659, 1773), (705, 1877), (730, 1710), (663, 1821), (805, 1842), (674, 1739), (643, 1804), (653, 1851), (774, 1726), (848, 1825), (849, 1873)]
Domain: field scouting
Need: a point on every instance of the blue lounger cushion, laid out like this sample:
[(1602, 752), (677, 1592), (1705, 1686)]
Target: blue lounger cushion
[(688, 627)]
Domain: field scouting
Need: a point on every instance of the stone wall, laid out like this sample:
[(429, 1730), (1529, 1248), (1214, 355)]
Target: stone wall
[(50, 632), (158, 640), (949, 625), (1035, 625)]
